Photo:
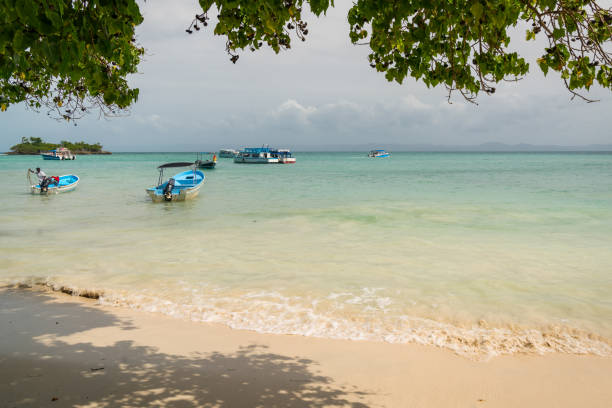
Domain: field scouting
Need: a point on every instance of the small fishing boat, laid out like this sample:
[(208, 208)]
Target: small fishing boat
[(378, 153), (228, 153), (182, 186), (209, 163), (256, 155), (61, 153), (283, 155), (56, 185)]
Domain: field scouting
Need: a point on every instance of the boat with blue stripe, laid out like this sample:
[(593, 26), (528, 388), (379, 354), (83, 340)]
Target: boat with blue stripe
[(180, 187), (64, 184), (378, 153), (61, 153), (258, 155)]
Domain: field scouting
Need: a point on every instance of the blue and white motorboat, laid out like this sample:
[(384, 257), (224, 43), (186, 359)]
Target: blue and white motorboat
[(255, 155), (182, 186), (378, 153), (63, 184), (61, 153)]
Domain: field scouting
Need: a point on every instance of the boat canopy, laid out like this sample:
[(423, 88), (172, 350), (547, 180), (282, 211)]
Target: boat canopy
[(176, 164), (256, 149)]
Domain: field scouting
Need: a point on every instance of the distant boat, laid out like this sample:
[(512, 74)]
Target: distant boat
[(64, 184), (283, 155), (228, 153), (378, 153), (255, 155), (182, 186), (209, 163), (61, 153)]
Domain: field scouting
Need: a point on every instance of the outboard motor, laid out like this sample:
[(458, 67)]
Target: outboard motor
[(47, 181), (44, 184), (168, 190)]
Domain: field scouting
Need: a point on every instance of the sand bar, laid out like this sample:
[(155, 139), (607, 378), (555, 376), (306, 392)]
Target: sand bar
[(63, 351)]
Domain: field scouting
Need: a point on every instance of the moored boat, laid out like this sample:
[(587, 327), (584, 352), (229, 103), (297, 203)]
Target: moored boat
[(61, 153), (209, 163), (255, 155), (283, 155), (55, 185), (182, 186), (378, 153), (228, 153)]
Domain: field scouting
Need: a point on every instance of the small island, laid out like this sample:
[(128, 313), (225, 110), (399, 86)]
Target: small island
[(35, 145)]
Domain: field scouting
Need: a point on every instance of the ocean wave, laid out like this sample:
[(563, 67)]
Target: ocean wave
[(333, 317)]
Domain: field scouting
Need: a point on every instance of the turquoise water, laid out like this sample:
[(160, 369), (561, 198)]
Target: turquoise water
[(483, 253)]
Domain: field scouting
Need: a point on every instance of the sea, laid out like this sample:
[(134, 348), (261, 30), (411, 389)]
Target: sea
[(480, 253)]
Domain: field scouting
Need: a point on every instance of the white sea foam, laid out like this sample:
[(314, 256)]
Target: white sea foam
[(273, 312)]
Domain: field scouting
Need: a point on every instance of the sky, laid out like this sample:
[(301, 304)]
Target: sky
[(318, 94)]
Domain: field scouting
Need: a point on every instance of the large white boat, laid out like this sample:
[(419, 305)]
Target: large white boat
[(228, 153), (255, 155), (283, 155), (61, 153)]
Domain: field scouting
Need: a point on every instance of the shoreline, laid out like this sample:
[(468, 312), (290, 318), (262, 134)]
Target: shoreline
[(53, 345), (479, 341)]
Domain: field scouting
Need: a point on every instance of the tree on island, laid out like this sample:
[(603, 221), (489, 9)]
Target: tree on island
[(35, 145), (72, 56)]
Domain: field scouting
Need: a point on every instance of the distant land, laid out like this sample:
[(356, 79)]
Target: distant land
[(484, 147), (35, 145), (390, 147)]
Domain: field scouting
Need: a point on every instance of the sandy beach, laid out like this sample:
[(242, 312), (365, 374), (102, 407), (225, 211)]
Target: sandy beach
[(58, 350)]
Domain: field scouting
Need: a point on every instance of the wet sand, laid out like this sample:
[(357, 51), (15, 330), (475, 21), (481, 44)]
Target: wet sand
[(62, 351)]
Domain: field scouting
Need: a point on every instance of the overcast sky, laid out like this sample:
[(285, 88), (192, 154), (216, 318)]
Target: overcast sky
[(321, 92)]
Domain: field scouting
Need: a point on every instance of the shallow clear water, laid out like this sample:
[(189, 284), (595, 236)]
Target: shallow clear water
[(484, 253)]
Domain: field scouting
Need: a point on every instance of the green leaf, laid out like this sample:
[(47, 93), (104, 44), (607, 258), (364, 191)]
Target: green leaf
[(477, 10)]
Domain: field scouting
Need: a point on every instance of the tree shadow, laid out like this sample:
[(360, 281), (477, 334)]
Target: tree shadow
[(45, 372)]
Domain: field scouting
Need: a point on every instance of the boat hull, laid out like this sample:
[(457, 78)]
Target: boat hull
[(183, 195), (67, 183), (255, 160), (209, 164), (287, 160)]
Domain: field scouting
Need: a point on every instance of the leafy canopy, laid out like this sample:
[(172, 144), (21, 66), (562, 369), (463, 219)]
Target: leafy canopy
[(72, 55), (68, 55)]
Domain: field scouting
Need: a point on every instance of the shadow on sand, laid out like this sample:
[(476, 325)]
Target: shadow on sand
[(41, 370)]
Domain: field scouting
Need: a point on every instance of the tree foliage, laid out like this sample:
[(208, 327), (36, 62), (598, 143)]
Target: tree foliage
[(71, 55), (35, 145), (68, 55), (461, 44)]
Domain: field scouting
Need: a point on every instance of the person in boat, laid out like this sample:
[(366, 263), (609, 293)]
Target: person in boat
[(39, 173), (43, 180)]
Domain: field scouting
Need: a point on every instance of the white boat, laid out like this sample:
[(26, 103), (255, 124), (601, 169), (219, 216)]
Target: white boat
[(378, 153), (228, 153), (284, 155), (61, 153), (255, 155), (182, 186)]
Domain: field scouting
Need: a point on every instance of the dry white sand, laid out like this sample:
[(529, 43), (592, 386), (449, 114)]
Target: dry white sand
[(62, 351)]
